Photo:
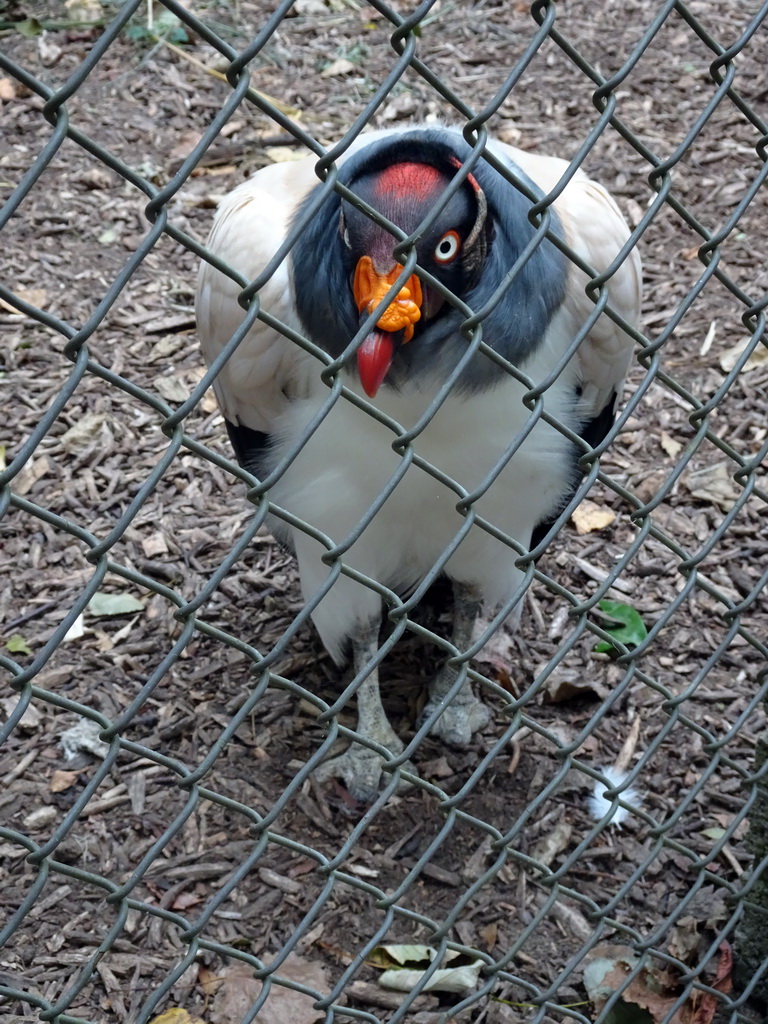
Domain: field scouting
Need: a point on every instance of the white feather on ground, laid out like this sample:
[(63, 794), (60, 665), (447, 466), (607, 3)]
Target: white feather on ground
[(599, 804)]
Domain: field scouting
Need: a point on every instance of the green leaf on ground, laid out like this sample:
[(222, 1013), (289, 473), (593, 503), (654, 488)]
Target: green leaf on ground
[(17, 644), (114, 604), (626, 626)]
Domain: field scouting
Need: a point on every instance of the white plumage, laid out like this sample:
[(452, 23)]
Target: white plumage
[(271, 385)]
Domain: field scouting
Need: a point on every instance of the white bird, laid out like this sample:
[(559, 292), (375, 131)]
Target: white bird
[(337, 275)]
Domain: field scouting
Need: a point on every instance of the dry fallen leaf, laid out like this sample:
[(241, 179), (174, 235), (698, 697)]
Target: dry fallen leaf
[(606, 970), (704, 1004), (84, 10), (568, 683), (459, 980), (185, 145), (29, 721), (489, 934), (185, 900), (34, 470), (62, 780), (124, 631), (284, 154), (410, 963), (310, 8), (552, 844), (715, 484), (342, 66), (154, 545), (209, 981), (653, 990), (208, 403), (590, 516), (7, 89), (104, 641), (82, 432), (635, 212), (176, 1016), (239, 990), (569, 917), (758, 358), (670, 445), (172, 389), (48, 49)]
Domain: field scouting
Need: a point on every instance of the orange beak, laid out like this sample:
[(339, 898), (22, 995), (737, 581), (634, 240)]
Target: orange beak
[(370, 288), (375, 355)]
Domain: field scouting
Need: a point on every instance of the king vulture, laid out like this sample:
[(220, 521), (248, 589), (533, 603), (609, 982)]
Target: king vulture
[(337, 461)]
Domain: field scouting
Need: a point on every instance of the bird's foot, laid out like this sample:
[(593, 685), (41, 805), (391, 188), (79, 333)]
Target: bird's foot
[(460, 720), (360, 768)]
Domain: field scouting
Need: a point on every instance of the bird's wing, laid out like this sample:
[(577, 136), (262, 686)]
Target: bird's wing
[(267, 370), (595, 228), (597, 231)]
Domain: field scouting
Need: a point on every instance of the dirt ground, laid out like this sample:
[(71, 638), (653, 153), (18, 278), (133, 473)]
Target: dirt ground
[(685, 714)]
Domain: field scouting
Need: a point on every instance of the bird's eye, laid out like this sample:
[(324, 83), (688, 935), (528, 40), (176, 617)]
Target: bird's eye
[(447, 248)]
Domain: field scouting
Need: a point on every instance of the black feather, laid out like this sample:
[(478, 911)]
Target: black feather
[(251, 448), (593, 431), (321, 269)]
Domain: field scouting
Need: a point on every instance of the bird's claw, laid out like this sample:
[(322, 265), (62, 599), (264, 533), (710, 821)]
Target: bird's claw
[(460, 720), (360, 768)]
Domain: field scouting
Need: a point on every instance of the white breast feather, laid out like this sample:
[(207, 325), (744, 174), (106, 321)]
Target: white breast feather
[(467, 439), (271, 385)]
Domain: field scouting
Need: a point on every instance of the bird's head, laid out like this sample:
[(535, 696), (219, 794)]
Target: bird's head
[(451, 248), (467, 238)]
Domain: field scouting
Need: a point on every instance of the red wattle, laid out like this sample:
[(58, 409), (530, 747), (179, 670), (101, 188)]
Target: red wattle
[(374, 358)]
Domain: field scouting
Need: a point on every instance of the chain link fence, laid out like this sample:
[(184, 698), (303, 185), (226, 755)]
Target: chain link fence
[(598, 853)]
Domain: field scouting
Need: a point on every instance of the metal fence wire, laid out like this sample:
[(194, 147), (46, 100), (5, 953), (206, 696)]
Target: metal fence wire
[(598, 853)]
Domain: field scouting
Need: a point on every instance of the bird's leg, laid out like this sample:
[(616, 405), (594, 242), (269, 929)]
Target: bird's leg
[(359, 766), (465, 713)]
